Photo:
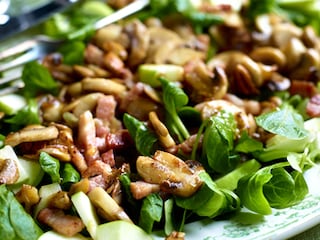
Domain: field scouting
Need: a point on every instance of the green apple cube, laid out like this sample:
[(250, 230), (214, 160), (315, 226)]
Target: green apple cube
[(11, 103), (121, 230), (149, 73), (86, 212), (52, 235)]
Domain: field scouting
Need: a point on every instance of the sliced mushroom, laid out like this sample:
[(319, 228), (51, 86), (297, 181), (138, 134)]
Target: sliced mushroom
[(171, 173), (9, 172), (161, 130), (310, 61), (204, 84), (28, 196), (83, 103), (106, 86), (32, 134), (230, 59), (293, 51), (283, 32), (269, 56)]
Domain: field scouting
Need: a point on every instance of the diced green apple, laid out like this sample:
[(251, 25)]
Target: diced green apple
[(45, 193), (86, 212), (52, 235), (149, 73), (11, 103), (33, 170), (121, 230)]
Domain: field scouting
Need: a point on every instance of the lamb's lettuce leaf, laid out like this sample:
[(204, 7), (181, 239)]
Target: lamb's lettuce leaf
[(37, 79), (151, 211), (218, 143), (15, 223), (284, 121), (271, 186)]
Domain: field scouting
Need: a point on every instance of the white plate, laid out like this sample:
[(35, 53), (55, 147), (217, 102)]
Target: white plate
[(281, 224)]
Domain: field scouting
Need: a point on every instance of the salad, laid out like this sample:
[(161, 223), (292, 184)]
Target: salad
[(188, 110)]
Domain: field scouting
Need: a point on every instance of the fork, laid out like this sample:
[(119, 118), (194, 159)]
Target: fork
[(41, 45)]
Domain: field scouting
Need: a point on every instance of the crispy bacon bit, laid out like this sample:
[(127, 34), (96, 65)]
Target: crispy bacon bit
[(313, 106), (97, 181), (108, 157), (303, 88), (98, 168), (59, 221), (106, 107), (87, 137), (141, 189), (118, 140)]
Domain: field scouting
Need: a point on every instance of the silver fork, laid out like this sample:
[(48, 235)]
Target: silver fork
[(41, 45)]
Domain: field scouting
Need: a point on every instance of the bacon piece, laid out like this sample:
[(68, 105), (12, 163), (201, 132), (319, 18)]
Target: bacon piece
[(108, 157), (62, 223), (303, 88), (106, 107), (98, 168), (97, 181), (141, 189), (118, 140), (313, 106), (87, 137)]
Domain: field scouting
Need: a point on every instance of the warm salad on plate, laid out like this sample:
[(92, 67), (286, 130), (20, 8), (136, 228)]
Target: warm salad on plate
[(188, 110)]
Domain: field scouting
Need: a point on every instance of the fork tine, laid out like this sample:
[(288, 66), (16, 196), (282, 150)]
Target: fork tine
[(26, 57), (12, 77), (16, 86), (17, 49)]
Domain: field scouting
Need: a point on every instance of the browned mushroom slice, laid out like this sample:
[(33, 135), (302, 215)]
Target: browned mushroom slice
[(9, 172), (32, 134), (171, 173), (203, 84)]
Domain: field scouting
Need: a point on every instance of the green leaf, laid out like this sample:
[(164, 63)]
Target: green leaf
[(50, 165), (247, 144), (210, 200), (37, 79), (250, 191), (218, 143), (143, 137), (70, 174), (168, 213), (230, 180), (282, 191), (151, 211), (284, 121), (73, 52), (25, 116), (15, 223), (174, 98)]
